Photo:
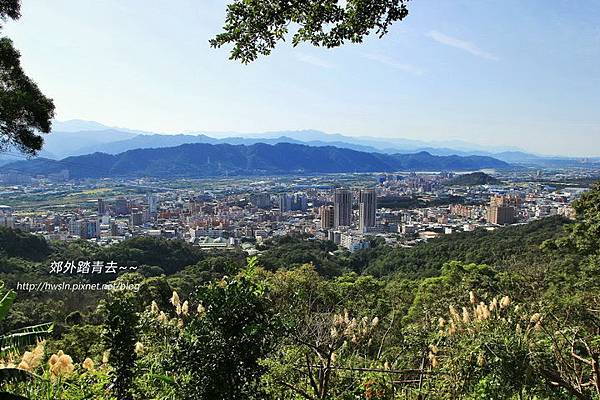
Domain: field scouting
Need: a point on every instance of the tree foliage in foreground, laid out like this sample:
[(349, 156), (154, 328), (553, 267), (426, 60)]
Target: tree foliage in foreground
[(24, 110), (254, 27)]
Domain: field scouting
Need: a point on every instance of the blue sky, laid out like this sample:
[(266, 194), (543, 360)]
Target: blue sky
[(520, 73)]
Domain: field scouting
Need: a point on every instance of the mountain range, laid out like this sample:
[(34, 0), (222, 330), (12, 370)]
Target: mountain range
[(206, 160), (79, 137)]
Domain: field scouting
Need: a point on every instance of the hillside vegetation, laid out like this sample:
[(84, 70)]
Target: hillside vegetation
[(508, 314)]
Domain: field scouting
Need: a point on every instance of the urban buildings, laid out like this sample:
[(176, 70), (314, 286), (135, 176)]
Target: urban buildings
[(502, 209), (342, 208), (261, 200), (152, 203), (6, 218), (326, 215), (121, 206), (101, 207), (367, 209)]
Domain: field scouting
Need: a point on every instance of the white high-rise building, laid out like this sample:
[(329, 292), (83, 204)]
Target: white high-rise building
[(152, 203), (367, 209)]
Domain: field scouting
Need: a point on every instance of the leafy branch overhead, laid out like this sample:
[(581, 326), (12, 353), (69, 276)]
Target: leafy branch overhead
[(254, 27)]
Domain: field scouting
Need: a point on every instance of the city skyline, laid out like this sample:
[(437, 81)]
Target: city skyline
[(496, 74)]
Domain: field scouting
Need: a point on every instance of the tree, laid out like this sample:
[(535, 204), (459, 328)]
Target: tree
[(24, 110), (255, 26)]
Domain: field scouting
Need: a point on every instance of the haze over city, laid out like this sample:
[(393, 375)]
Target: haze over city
[(491, 73)]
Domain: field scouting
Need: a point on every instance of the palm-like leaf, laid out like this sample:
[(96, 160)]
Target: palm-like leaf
[(13, 375), (6, 302), (24, 337)]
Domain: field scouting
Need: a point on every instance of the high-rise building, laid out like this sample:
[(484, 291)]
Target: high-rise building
[(501, 210), (101, 207), (152, 203), (501, 215), (85, 229), (285, 203), (6, 218), (121, 206), (136, 218), (367, 208), (342, 208), (299, 202), (261, 200), (326, 215)]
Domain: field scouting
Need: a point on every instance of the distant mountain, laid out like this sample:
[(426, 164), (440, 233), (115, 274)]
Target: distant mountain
[(204, 160), (77, 125), (86, 137), (63, 144), (158, 141), (473, 179)]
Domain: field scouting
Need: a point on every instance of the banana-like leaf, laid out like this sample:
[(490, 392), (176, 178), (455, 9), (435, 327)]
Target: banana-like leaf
[(6, 303), (13, 375), (10, 396), (25, 336)]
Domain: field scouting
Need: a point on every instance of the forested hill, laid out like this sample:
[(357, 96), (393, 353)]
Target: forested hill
[(201, 159), (473, 179)]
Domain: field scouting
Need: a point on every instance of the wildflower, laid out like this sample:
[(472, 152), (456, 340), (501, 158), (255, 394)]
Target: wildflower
[(472, 297), (63, 366), (105, 357), (32, 359), (154, 307), (201, 310), (433, 348), (535, 318), (466, 318), (139, 348), (175, 299), (452, 330), (338, 320), (185, 308), (441, 322), (454, 314), (433, 360), (54, 358), (480, 360), (162, 317), (386, 365), (88, 364), (505, 302), (482, 311), (374, 322), (178, 309), (351, 325), (334, 332), (518, 329), (333, 357), (494, 304), (180, 323)]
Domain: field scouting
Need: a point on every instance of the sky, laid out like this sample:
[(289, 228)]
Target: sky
[(523, 73)]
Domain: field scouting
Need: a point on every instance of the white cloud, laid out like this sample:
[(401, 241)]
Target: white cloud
[(313, 60), (389, 61), (462, 45)]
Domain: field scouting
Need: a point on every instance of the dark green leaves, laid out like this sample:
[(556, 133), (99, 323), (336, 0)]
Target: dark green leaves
[(255, 26), (24, 110)]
